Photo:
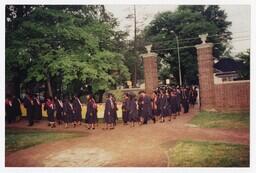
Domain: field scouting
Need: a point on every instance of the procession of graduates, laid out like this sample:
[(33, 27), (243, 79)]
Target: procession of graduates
[(163, 105)]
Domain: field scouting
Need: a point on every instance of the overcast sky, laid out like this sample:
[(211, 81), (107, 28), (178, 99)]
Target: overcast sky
[(239, 15)]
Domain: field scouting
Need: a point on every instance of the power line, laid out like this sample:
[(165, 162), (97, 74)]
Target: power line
[(184, 47), (195, 38), (241, 37)]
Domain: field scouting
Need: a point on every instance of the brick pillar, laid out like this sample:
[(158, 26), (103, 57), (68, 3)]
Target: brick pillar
[(150, 72), (206, 80)]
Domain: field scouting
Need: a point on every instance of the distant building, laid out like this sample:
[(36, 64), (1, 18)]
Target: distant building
[(227, 69)]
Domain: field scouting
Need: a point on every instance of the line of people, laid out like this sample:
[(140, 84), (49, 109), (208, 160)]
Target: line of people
[(164, 104)]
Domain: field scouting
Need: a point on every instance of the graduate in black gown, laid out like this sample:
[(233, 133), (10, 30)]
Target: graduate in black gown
[(168, 113), (194, 95), (173, 102), (91, 113), (158, 105), (190, 98), (67, 111), (115, 110), (49, 107), (132, 109), (77, 106), (29, 105), (163, 103), (178, 94), (140, 108), (109, 113), (9, 110), (37, 108), (125, 111), (16, 108), (185, 100), (154, 100), (59, 109), (146, 108)]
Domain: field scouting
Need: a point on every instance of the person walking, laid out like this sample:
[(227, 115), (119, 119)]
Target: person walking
[(109, 115), (49, 107), (91, 113)]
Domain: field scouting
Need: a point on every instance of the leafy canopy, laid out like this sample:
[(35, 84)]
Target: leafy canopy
[(71, 43), (187, 22)]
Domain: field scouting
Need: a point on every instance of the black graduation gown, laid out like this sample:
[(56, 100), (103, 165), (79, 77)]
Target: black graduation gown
[(168, 110), (133, 112), (158, 103), (155, 106), (146, 108), (185, 101), (115, 111), (178, 101), (125, 111), (67, 112), (91, 113), (9, 111), (77, 109), (16, 107), (194, 96), (37, 110), (173, 102), (163, 103), (109, 115), (191, 97), (59, 110), (29, 105), (50, 112), (140, 106)]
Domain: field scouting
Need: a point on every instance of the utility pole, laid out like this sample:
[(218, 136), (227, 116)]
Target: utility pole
[(135, 47), (178, 50)]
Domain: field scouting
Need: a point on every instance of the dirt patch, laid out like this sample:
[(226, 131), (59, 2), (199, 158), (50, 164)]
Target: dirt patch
[(78, 157)]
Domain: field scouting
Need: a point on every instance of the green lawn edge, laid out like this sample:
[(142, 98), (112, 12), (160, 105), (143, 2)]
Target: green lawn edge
[(18, 139), (221, 120), (187, 153)]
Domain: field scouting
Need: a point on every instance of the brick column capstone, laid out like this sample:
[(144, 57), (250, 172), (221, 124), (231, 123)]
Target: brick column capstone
[(206, 80), (150, 72)]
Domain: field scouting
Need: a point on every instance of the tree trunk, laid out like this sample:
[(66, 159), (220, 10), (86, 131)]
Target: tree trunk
[(49, 87)]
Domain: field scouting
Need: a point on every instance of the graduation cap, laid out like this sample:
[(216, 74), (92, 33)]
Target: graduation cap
[(141, 92)]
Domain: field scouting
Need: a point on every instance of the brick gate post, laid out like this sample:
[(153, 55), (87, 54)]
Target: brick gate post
[(206, 80), (150, 70)]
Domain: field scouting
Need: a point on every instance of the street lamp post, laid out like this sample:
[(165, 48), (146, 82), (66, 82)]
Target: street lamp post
[(178, 50)]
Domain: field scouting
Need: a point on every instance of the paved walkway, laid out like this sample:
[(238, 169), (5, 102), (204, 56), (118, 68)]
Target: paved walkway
[(141, 146)]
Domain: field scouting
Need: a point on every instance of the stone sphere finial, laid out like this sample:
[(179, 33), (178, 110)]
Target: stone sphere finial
[(148, 47), (203, 37)]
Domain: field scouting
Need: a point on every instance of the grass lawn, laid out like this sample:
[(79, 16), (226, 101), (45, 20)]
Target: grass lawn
[(221, 120), (208, 154), (17, 139)]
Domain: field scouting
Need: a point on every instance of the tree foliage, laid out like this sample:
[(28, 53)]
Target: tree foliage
[(245, 57), (72, 45), (187, 22)]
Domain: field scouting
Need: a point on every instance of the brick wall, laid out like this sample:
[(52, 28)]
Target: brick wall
[(225, 97), (232, 96)]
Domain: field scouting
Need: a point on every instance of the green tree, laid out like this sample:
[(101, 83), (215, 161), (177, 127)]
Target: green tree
[(187, 22), (245, 57), (70, 45)]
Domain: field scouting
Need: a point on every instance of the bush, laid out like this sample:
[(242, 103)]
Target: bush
[(119, 93)]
